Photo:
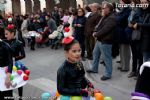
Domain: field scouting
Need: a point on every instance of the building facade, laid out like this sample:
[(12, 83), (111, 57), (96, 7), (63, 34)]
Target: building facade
[(32, 6)]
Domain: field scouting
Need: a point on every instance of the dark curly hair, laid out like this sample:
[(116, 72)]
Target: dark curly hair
[(68, 46)]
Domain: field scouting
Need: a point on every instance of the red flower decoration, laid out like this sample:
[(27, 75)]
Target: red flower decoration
[(9, 16), (67, 40), (10, 26)]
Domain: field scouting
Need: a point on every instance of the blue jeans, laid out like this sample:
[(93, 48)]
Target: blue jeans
[(106, 51), (146, 56)]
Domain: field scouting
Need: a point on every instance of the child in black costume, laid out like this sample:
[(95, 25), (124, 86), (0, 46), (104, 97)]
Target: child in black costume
[(71, 80), (143, 81), (16, 47), (6, 60)]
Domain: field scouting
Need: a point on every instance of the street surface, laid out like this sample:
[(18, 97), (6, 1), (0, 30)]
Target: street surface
[(44, 62)]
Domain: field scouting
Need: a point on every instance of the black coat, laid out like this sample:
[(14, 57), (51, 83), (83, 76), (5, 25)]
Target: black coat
[(5, 56), (79, 31), (56, 17), (144, 26), (105, 29), (121, 34), (17, 49), (71, 79), (91, 22)]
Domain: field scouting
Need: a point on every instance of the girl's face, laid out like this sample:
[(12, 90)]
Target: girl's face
[(74, 54), (9, 35)]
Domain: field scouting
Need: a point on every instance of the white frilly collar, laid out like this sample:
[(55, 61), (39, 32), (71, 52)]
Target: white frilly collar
[(146, 64), (139, 98)]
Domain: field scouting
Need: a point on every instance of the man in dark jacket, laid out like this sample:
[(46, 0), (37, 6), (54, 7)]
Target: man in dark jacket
[(104, 33), (91, 22)]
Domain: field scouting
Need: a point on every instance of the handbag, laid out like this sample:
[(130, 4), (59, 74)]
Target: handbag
[(136, 35)]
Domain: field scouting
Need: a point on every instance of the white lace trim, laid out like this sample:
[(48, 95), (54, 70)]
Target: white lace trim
[(146, 64), (139, 98)]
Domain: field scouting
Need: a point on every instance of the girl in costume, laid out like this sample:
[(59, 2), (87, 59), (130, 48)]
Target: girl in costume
[(71, 80), (6, 60), (17, 48)]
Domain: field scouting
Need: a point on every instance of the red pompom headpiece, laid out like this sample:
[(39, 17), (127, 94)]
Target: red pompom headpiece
[(66, 29), (10, 26), (9, 16), (67, 40)]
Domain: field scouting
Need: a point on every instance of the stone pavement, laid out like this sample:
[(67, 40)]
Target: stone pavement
[(119, 87), (44, 62)]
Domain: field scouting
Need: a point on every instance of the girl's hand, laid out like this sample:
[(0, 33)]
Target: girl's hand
[(90, 91), (8, 81)]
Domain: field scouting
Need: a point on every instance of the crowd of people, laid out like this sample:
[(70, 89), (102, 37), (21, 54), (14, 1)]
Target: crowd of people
[(102, 31)]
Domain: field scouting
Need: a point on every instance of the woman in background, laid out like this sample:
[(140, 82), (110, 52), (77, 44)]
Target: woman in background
[(144, 27), (79, 26), (136, 44)]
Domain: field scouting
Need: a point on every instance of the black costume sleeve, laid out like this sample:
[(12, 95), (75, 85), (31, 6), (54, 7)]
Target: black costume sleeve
[(61, 75), (86, 81), (10, 63), (8, 54)]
